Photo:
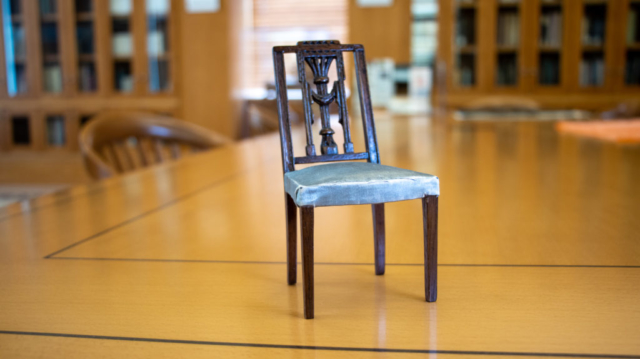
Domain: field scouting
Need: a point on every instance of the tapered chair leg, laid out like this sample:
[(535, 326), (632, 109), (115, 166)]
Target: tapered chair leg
[(292, 253), (378, 237), (306, 218), (430, 222)]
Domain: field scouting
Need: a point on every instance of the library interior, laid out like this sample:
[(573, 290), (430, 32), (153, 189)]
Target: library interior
[(320, 179)]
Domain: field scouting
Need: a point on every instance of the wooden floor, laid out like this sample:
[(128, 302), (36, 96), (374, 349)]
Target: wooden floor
[(539, 256)]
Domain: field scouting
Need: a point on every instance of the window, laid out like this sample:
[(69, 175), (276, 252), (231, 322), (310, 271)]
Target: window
[(285, 22)]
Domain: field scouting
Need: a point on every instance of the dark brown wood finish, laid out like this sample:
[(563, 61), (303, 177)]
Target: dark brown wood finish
[(430, 222), (292, 252), (319, 56), (306, 234), (377, 211)]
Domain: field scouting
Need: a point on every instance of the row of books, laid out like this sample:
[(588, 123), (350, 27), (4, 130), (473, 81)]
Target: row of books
[(593, 29), (592, 71), (551, 28), (159, 75), (466, 27), (52, 78), (88, 80), (508, 28), (55, 131)]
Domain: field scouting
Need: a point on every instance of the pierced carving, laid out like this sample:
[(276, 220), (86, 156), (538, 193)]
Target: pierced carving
[(319, 61)]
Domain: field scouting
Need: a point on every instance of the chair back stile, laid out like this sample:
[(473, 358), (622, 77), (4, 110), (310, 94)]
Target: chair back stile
[(319, 56)]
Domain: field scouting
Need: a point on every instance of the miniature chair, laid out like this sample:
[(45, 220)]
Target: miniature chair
[(348, 183)]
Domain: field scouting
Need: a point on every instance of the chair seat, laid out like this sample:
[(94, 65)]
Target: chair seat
[(348, 183)]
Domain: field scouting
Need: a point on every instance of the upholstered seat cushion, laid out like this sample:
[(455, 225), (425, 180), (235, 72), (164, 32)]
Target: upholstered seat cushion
[(346, 183)]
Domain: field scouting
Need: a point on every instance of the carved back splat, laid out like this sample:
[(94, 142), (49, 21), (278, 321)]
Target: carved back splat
[(319, 56)]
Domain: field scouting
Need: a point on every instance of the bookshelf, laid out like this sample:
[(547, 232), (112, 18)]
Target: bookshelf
[(66, 60), (587, 51)]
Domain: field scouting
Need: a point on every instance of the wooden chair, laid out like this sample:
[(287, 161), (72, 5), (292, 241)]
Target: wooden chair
[(118, 142), (346, 183)]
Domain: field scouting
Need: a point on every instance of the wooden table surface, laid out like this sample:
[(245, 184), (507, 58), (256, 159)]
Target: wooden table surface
[(539, 256)]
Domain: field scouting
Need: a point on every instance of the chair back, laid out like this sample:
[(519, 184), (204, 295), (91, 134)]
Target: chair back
[(319, 57), (119, 142)]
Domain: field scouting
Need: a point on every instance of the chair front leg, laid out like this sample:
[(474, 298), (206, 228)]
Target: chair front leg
[(430, 222), (292, 252), (378, 236), (306, 218)]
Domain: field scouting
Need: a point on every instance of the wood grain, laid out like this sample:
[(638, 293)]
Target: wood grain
[(306, 237), (196, 250)]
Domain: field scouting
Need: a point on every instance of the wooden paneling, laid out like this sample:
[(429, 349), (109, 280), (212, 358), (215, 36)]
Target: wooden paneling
[(205, 71), (384, 31)]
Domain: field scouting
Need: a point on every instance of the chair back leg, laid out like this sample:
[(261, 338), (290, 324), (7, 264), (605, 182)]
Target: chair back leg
[(430, 222), (292, 251), (306, 218), (378, 237)]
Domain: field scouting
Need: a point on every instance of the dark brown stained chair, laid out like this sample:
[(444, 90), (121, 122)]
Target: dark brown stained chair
[(345, 183), (119, 142)]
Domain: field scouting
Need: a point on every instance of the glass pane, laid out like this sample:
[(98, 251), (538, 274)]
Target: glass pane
[(88, 78), (508, 27), (52, 77), (507, 69), (21, 133), (85, 36), (84, 32), (122, 44), (551, 26), (549, 69), (15, 47), (158, 44), (84, 6), (52, 71), (593, 27), (466, 70), (592, 69), (632, 76), (55, 131), (633, 28), (121, 7), (123, 79), (48, 7)]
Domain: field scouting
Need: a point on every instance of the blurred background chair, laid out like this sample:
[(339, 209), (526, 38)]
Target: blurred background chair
[(119, 142)]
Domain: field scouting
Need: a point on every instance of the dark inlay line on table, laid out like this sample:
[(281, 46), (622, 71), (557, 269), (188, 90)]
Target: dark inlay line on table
[(341, 263), (313, 347), (151, 211)]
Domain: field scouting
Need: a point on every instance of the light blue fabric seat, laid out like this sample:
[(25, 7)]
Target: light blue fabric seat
[(348, 183)]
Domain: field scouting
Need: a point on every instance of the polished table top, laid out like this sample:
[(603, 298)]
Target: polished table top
[(539, 254)]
